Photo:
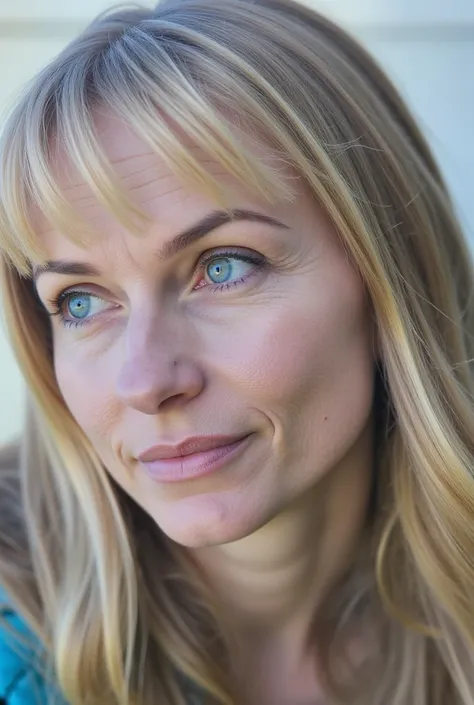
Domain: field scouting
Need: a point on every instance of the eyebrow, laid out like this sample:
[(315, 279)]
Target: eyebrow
[(180, 242)]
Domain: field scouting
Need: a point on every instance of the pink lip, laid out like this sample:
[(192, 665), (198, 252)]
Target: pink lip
[(193, 458)]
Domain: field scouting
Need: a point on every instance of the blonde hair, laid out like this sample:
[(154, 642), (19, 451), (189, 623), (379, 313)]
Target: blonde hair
[(82, 572)]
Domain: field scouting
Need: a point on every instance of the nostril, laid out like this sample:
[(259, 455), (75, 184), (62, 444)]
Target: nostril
[(174, 401)]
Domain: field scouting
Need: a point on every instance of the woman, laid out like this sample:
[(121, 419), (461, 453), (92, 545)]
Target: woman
[(241, 300)]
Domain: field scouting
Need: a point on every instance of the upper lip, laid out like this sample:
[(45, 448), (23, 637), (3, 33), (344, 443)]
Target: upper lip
[(194, 444)]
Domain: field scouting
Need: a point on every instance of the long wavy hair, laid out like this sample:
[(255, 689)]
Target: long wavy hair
[(122, 613)]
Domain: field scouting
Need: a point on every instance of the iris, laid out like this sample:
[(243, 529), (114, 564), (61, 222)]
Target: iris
[(79, 305), (220, 270)]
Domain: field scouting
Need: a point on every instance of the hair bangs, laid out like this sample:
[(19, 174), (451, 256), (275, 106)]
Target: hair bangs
[(151, 89)]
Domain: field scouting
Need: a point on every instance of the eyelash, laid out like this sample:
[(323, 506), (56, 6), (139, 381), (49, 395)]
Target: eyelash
[(258, 261)]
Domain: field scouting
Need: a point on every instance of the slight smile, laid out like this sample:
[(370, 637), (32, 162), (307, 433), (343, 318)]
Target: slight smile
[(192, 458)]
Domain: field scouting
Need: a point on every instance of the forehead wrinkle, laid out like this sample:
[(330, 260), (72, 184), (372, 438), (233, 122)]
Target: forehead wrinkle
[(144, 186), (153, 186), (166, 194), (151, 177), (119, 161), (144, 175), (133, 169), (158, 167)]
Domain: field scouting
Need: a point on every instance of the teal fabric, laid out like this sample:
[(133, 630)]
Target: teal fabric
[(20, 680)]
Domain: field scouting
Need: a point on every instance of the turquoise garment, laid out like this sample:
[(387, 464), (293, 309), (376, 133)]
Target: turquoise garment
[(20, 681)]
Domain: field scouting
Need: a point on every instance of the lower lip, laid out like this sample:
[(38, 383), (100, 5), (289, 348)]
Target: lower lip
[(190, 467)]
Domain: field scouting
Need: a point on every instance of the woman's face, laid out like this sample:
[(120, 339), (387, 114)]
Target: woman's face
[(253, 336)]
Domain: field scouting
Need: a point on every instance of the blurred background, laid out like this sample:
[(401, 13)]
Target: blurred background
[(426, 46)]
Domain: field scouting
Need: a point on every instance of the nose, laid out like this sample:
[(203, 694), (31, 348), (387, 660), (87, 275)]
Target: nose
[(157, 371)]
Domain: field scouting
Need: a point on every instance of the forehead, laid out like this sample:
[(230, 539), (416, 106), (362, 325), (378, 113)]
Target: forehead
[(149, 180), (132, 160), (129, 153)]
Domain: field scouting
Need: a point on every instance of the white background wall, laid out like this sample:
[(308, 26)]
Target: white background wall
[(427, 46)]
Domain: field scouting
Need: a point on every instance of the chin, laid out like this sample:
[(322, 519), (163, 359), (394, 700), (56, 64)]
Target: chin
[(201, 522)]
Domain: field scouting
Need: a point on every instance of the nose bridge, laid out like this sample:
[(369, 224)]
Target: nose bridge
[(154, 332), (157, 363)]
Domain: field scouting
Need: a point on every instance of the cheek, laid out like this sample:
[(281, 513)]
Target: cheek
[(307, 366), (86, 387), (315, 339)]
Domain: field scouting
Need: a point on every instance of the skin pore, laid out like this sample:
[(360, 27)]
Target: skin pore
[(154, 349)]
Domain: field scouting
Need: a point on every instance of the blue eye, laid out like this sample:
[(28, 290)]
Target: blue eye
[(220, 270), (79, 305), (228, 269), (75, 308)]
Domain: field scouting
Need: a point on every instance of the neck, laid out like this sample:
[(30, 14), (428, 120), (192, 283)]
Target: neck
[(274, 580)]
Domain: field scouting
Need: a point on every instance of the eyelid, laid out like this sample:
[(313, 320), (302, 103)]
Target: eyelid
[(243, 254), (74, 289), (65, 295)]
